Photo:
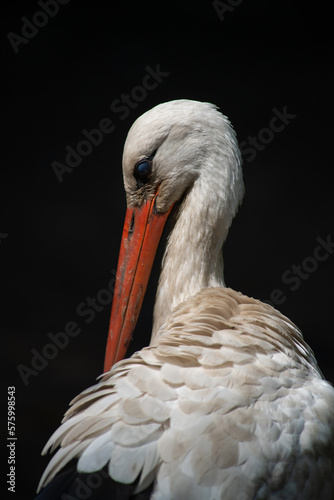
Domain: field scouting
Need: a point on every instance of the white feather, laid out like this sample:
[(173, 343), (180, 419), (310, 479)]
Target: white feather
[(97, 454)]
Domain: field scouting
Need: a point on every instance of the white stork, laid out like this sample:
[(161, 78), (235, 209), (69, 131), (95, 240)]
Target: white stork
[(227, 401)]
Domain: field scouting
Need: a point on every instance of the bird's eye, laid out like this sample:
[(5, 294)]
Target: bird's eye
[(142, 172)]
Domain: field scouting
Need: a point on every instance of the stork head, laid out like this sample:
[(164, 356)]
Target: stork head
[(173, 144), (168, 150)]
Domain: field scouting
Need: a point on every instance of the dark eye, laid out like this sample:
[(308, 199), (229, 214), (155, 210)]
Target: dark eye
[(142, 172)]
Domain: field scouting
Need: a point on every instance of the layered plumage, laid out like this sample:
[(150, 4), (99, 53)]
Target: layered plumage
[(227, 401)]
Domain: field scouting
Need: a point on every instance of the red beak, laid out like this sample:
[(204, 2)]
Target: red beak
[(141, 235)]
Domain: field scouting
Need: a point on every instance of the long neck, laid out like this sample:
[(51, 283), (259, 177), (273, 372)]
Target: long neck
[(193, 258)]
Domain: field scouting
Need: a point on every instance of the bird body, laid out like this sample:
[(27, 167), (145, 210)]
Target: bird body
[(227, 401)]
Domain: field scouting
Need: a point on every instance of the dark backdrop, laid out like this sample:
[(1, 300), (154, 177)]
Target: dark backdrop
[(59, 240)]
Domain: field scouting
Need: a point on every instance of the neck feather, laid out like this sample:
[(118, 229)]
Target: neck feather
[(193, 258)]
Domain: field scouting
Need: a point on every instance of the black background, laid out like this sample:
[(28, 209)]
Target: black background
[(59, 241)]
